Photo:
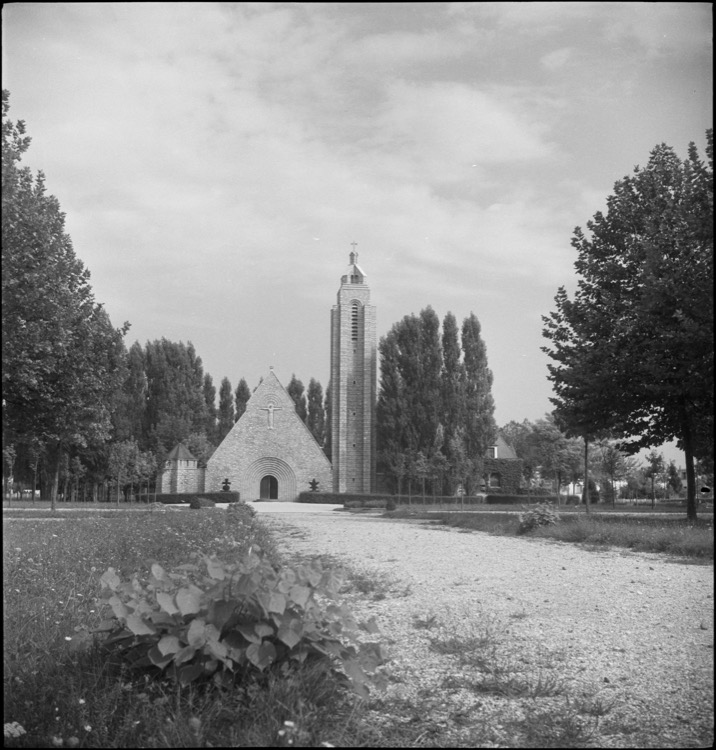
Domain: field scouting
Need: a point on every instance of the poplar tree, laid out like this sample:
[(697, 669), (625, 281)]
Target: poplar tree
[(480, 428), (453, 402), (241, 398), (226, 409), (316, 421), (209, 391), (296, 392)]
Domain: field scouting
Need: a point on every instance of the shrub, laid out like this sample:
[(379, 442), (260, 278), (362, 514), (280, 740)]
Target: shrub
[(196, 503), (541, 515), (232, 621), (240, 512), (171, 498)]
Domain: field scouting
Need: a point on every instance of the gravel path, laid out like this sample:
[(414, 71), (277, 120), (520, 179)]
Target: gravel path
[(633, 631)]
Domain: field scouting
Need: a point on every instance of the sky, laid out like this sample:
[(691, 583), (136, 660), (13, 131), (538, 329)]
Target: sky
[(215, 161)]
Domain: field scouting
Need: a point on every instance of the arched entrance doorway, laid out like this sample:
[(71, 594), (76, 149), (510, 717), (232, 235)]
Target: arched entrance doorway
[(269, 488)]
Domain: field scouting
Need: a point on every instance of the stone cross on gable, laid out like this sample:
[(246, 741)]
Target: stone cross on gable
[(271, 408)]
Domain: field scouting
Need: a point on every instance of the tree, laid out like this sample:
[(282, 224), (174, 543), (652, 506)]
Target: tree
[(129, 415), (226, 410), (645, 287), (176, 402), (296, 392), (453, 381), (200, 447), (241, 397), (480, 428), (316, 421), (654, 469), (63, 362), (613, 466), (209, 390), (673, 478)]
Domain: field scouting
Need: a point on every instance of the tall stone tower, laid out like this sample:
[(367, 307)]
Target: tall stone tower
[(353, 383)]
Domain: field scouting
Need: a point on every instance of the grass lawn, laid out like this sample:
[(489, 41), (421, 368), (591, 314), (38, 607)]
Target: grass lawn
[(669, 534), (58, 697), (61, 698)]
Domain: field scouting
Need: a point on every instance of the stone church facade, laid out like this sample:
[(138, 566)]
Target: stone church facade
[(270, 454)]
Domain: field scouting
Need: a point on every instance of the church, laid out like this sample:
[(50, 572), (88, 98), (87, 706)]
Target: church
[(270, 454)]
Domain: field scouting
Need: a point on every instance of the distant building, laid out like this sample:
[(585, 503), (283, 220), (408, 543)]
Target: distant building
[(182, 473), (502, 470)]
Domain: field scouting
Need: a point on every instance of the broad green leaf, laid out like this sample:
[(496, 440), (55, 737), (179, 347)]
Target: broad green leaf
[(158, 572), (277, 602), (110, 579), (370, 626), (220, 611), (217, 649), (169, 644), (263, 629), (138, 626), (190, 673), (300, 595), (247, 630), (261, 655), (105, 625), (184, 654), (371, 656), (290, 632), (187, 601), (118, 607), (158, 658), (215, 568), (196, 635)]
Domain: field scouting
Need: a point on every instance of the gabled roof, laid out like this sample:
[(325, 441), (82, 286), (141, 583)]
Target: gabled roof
[(180, 453), (504, 449)]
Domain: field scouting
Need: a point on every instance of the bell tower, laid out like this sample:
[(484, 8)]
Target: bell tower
[(353, 383)]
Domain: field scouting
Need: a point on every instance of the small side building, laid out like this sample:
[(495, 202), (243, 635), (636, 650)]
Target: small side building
[(182, 473)]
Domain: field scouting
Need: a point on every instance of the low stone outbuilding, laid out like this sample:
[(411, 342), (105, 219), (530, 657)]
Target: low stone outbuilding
[(269, 454), (182, 473)]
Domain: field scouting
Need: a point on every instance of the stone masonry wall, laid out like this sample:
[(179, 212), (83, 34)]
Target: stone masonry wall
[(269, 439)]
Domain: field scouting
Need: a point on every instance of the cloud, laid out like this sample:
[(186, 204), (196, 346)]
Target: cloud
[(556, 59)]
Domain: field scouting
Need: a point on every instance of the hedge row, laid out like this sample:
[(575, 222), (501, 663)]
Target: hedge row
[(184, 498)]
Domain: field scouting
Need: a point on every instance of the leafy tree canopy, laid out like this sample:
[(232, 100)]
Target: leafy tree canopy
[(632, 352)]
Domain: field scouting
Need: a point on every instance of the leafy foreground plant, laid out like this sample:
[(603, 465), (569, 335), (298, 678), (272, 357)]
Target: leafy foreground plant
[(229, 622), (541, 515)]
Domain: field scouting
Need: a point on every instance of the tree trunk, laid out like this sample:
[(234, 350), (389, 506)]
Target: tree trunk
[(687, 441), (586, 475), (54, 454)]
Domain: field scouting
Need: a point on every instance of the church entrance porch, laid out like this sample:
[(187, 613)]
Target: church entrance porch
[(269, 488)]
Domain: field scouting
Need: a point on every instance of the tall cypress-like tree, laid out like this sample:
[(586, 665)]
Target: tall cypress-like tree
[(226, 410), (480, 428), (209, 391), (176, 406), (296, 392), (316, 421), (241, 398), (453, 401)]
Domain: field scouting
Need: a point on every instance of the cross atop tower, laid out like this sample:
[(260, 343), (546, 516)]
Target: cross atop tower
[(354, 254)]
